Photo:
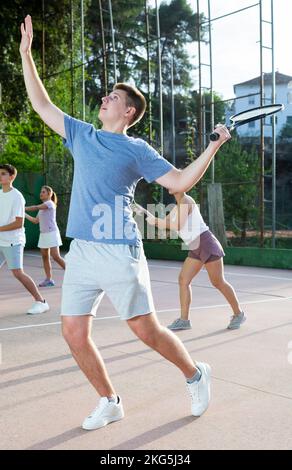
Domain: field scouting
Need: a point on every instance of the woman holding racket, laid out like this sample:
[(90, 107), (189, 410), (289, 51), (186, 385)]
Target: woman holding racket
[(204, 250), (50, 238)]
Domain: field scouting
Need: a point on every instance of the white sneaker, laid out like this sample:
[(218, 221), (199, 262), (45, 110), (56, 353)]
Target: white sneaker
[(106, 412), (38, 307), (200, 391)]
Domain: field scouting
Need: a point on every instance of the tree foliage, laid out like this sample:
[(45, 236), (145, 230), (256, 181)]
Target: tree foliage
[(237, 170)]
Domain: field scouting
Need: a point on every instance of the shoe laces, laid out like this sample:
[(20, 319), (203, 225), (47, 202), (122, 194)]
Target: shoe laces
[(234, 317), (99, 408), (194, 391)]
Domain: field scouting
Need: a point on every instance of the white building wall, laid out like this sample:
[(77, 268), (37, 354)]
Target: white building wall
[(283, 96)]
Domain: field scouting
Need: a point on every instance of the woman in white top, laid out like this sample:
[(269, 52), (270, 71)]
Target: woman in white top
[(203, 250), (50, 238)]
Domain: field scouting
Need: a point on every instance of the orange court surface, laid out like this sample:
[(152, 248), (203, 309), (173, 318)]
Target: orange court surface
[(45, 397)]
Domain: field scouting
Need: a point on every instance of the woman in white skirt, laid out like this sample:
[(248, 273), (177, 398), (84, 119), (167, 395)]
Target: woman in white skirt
[(50, 238)]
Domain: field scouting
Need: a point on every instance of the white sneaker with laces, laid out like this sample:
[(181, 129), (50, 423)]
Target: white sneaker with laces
[(200, 391), (106, 412), (38, 307)]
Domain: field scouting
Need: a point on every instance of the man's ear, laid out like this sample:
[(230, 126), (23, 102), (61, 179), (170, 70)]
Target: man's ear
[(131, 111)]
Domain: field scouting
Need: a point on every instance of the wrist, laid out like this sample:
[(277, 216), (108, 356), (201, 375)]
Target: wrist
[(25, 55), (214, 145)]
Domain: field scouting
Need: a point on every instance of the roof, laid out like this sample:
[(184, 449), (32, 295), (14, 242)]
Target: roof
[(280, 79)]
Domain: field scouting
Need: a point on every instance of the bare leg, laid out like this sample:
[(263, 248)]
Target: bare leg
[(159, 338), (56, 257), (47, 262), (215, 271), (190, 269), (77, 333), (28, 283)]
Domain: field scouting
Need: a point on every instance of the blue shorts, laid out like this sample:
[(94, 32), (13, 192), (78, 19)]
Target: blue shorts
[(13, 255)]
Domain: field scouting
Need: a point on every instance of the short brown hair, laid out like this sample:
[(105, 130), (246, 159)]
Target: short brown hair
[(135, 99), (9, 168)]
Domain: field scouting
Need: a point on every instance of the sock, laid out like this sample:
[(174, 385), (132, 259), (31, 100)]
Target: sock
[(195, 377)]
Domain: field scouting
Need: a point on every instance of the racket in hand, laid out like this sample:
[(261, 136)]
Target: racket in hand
[(250, 115)]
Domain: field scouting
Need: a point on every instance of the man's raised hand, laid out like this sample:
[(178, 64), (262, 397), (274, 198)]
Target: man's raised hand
[(26, 35)]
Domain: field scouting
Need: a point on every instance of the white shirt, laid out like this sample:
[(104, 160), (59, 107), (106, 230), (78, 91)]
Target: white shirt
[(12, 205), (193, 227)]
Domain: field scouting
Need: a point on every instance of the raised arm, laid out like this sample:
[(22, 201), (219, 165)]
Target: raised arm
[(39, 207), (36, 91), (179, 181)]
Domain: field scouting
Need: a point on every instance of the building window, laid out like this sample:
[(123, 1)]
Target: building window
[(251, 100), (276, 120), (289, 93), (251, 124), (289, 120)]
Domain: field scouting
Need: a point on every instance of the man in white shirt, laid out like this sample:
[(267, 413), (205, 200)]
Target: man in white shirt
[(12, 235)]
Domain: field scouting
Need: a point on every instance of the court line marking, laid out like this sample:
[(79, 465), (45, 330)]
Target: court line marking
[(204, 270), (227, 272), (211, 287), (248, 302)]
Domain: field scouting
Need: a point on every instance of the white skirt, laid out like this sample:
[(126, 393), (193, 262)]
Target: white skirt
[(50, 239)]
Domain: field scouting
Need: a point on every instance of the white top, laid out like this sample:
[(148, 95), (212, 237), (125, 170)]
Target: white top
[(193, 227), (47, 218), (12, 205)]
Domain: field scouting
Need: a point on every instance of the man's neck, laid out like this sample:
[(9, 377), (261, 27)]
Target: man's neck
[(115, 128), (7, 187)]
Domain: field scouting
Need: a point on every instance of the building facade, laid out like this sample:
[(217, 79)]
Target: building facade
[(252, 89)]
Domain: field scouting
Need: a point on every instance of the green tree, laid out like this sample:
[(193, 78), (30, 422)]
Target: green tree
[(22, 147), (286, 131), (57, 37), (178, 27), (237, 170)]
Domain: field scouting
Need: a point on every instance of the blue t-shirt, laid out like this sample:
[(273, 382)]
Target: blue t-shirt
[(107, 168)]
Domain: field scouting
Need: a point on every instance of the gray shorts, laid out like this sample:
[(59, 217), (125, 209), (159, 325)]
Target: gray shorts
[(13, 255), (207, 248), (93, 269)]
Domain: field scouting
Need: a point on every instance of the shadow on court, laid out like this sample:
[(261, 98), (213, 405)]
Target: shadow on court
[(45, 398)]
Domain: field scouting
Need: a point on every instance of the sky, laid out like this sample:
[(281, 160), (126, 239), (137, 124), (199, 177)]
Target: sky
[(235, 47)]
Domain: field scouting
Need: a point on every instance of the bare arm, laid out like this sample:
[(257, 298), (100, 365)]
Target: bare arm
[(18, 223), (182, 180), (34, 220), (36, 91), (161, 223), (173, 221), (37, 208)]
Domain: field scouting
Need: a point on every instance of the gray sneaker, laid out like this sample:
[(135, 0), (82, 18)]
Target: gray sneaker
[(236, 321), (47, 283), (180, 324)]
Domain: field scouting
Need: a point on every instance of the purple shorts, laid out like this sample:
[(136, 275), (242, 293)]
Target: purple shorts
[(208, 249)]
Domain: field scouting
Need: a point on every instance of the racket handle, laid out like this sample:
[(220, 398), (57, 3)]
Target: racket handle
[(214, 136)]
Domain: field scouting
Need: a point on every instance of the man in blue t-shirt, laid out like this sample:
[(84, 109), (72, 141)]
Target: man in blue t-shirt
[(106, 255)]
